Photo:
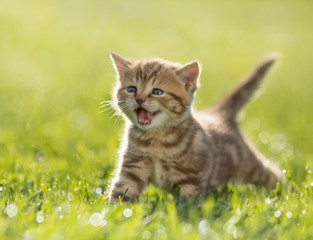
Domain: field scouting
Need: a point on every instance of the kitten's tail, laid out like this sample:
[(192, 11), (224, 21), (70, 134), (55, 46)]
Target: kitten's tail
[(234, 101)]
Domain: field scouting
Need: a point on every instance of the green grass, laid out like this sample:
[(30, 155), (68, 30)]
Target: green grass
[(57, 147)]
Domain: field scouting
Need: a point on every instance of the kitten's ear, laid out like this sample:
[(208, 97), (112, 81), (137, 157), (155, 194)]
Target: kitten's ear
[(120, 64), (189, 73)]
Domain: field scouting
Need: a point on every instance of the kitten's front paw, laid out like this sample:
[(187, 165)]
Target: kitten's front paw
[(124, 196)]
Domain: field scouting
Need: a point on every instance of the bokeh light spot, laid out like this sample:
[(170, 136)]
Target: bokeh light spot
[(40, 219), (11, 210), (127, 213), (277, 213)]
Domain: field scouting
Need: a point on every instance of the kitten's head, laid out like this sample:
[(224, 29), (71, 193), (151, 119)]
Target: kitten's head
[(154, 93)]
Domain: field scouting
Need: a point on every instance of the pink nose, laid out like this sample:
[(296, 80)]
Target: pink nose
[(140, 101)]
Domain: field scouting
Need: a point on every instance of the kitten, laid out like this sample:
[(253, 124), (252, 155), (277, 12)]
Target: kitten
[(170, 146)]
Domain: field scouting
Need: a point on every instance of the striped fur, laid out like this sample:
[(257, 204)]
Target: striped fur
[(195, 152)]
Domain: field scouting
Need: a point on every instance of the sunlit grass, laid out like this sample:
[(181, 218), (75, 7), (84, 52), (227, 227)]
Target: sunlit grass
[(58, 147)]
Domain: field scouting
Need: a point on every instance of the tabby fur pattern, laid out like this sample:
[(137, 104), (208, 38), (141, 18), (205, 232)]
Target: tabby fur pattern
[(168, 144)]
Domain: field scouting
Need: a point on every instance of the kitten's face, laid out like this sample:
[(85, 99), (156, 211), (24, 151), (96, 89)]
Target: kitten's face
[(155, 94)]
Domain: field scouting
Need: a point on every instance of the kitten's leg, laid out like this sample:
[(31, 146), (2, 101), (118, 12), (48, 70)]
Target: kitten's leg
[(189, 190), (130, 180), (189, 186)]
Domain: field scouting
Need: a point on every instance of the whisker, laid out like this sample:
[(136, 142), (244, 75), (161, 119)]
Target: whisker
[(106, 109), (107, 101), (104, 105), (104, 91), (111, 112), (117, 120)]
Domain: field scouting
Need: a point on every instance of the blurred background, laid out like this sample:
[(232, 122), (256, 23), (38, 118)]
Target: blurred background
[(55, 71)]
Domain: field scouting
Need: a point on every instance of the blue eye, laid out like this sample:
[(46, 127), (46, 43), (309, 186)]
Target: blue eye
[(132, 89), (157, 91)]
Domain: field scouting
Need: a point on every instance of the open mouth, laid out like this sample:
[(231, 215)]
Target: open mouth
[(145, 117)]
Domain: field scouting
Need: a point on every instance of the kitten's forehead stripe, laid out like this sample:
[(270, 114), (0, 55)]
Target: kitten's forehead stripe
[(153, 75), (148, 71)]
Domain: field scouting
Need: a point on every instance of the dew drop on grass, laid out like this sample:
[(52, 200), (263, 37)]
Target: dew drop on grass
[(289, 214), (127, 212), (97, 220), (98, 191), (311, 184), (40, 219), (303, 211), (11, 210), (277, 213), (146, 235), (284, 171), (1, 188), (203, 226), (268, 200)]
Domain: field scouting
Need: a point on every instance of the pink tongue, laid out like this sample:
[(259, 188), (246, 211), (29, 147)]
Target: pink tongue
[(144, 117)]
